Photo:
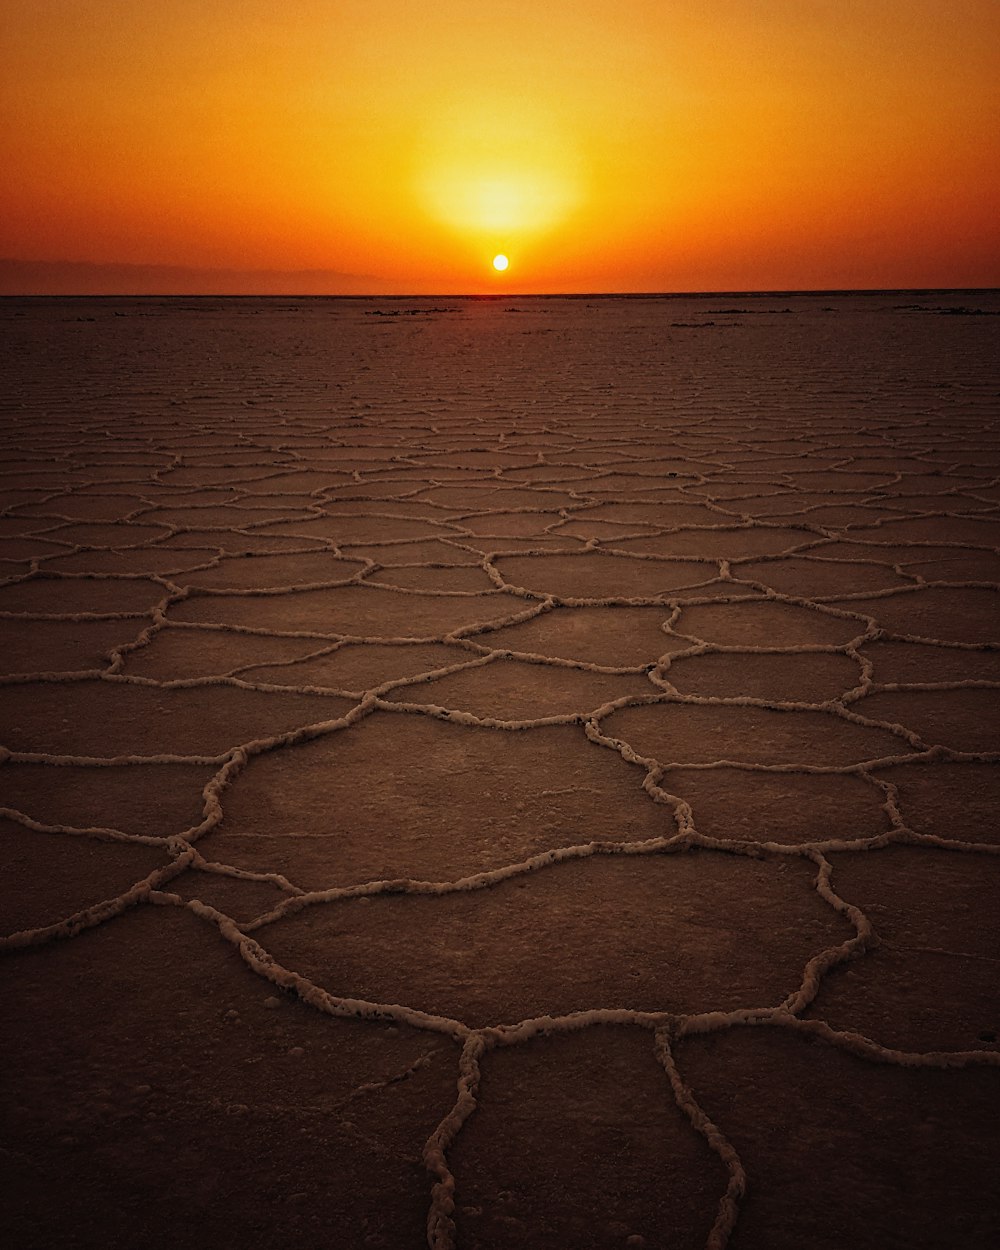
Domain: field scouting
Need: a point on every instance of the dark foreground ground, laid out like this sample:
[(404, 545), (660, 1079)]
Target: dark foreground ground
[(501, 773)]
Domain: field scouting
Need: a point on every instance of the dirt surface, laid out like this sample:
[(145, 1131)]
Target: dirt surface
[(483, 781)]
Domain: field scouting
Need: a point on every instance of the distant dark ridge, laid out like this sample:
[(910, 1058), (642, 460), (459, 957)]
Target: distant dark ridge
[(27, 277)]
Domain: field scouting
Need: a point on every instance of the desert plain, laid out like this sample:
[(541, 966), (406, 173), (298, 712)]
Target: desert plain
[(501, 772)]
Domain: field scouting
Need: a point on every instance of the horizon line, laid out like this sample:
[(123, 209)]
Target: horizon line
[(494, 295)]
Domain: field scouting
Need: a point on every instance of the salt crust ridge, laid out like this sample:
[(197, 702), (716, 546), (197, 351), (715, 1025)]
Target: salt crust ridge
[(272, 453)]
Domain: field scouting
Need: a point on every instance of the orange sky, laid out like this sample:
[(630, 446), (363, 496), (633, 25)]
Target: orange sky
[(397, 145)]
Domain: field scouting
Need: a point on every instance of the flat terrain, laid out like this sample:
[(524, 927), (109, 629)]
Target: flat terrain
[(498, 773)]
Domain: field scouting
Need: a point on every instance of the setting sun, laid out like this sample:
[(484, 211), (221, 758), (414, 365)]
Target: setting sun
[(500, 262), (357, 149)]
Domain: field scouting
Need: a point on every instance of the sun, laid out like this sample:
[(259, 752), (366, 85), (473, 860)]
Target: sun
[(500, 262)]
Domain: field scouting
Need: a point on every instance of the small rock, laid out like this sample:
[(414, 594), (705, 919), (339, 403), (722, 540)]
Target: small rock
[(141, 1091), (392, 1031), (296, 1052), (636, 1239), (272, 1003), (231, 1014)]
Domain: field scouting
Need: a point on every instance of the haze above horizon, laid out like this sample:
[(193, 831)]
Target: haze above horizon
[(345, 148)]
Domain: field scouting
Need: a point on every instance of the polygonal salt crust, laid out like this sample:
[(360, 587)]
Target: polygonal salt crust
[(936, 529), (412, 509), (616, 637), (606, 531), (667, 513), (346, 463), (679, 932), (507, 524), (953, 614), (980, 490), (251, 457), (964, 720), (616, 487), (30, 501), (727, 544), (388, 491), (409, 796), (595, 575), (936, 483), (577, 1141), (360, 529), (146, 1129), (920, 662), (513, 690), (411, 477), (466, 578), (600, 454), (260, 572), (29, 549), (957, 801), (147, 560), (676, 466), (67, 595), (805, 677), (229, 516), (185, 497), (954, 501), (177, 653), (48, 877), (304, 480), (766, 624), (931, 982), (361, 666), (17, 527), (543, 474), (232, 543), (241, 898), (507, 545), (86, 507), (496, 498), (31, 646), (884, 552), (796, 1112), (122, 534), (808, 579), (157, 800), (285, 502), (838, 481), (970, 566), (738, 804), (777, 506), (360, 611), (488, 459), (108, 719), (690, 734), (840, 516), (431, 551)]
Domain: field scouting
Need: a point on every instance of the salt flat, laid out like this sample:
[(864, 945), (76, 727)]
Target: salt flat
[(501, 772)]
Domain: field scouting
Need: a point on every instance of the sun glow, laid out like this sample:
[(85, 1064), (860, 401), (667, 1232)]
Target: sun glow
[(497, 171), (500, 262)]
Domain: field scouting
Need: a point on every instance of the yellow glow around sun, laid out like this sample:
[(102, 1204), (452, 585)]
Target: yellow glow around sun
[(500, 262), (490, 169)]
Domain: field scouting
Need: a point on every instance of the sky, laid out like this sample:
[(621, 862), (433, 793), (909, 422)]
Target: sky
[(397, 146)]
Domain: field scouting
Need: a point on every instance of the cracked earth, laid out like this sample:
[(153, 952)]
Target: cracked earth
[(500, 775)]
